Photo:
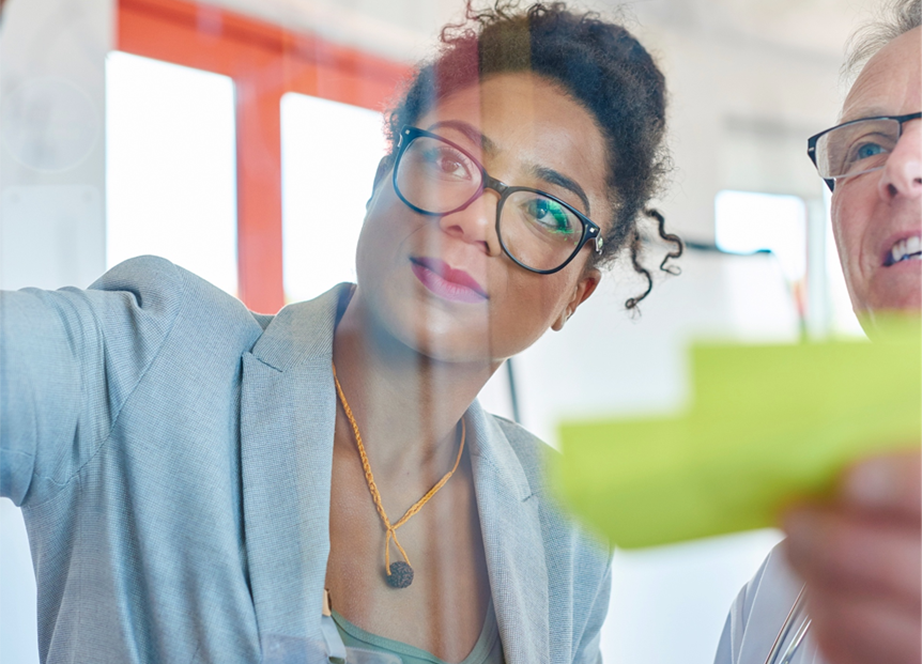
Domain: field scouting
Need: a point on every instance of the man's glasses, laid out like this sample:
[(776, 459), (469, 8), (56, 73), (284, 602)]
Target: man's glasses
[(856, 147), (538, 231)]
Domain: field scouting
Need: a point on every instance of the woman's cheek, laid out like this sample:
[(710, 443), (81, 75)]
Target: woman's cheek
[(521, 314), (379, 240)]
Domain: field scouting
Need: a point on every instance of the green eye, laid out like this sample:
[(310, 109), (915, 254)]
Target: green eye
[(550, 214)]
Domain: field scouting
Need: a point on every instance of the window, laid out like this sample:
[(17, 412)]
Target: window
[(171, 177), (265, 61), (330, 152), (747, 222)]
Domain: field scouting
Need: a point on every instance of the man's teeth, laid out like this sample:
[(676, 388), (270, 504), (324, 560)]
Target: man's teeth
[(908, 249)]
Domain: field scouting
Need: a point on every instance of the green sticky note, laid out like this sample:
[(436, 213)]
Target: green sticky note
[(767, 425)]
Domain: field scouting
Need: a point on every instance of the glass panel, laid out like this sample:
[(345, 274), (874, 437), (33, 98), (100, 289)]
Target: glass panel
[(172, 169), (746, 222), (330, 152)]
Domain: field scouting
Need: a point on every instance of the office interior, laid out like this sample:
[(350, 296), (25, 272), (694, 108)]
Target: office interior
[(212, 132)]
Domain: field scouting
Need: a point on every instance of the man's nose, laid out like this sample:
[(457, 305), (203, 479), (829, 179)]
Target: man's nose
[(476, 223), (902, 174)]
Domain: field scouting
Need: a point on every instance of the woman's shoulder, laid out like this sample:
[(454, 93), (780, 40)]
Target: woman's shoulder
[(161, 294), (152, 281), (151, 313)]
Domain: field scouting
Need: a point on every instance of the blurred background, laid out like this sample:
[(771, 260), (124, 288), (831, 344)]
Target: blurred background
[(215, 134)]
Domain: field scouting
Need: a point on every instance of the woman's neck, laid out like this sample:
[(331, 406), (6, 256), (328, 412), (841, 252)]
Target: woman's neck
[(407, 405)]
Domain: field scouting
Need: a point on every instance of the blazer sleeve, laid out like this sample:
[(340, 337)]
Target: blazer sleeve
[(589, 649), (69, 359)]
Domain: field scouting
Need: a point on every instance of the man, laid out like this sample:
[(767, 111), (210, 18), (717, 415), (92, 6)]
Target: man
[(858, 558)]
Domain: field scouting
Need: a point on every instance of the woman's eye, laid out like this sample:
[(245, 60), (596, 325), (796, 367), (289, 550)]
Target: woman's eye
[(550, 214), (447, 162)]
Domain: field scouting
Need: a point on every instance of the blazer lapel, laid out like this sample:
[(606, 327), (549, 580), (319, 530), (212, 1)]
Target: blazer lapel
[(512, 541), (287, 421)]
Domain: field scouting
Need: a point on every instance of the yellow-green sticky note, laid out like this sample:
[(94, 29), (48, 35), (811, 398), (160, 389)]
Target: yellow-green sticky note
[(767, 425)]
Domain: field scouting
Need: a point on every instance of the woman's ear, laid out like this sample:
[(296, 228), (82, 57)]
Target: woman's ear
[(383, 167), (584, 288)]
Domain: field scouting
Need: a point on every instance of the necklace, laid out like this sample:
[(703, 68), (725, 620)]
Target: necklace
[(398, 574)]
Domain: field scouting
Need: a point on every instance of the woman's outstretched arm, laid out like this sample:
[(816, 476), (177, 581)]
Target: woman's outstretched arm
[(68, 361)]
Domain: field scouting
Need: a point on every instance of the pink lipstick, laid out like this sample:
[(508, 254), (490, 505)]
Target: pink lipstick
[(446, 282)]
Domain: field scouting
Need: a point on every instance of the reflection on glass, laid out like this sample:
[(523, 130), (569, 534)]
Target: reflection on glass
[(171, 166), (330, 152)]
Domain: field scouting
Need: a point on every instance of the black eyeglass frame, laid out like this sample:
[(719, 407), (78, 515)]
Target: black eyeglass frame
[(591, 230), (812, 141)]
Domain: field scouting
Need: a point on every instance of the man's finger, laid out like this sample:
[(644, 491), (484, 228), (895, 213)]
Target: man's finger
[(854, 630), (890, 483), (836, 549)]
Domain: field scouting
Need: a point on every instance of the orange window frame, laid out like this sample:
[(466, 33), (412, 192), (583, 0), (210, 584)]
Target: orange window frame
[(265, 61)]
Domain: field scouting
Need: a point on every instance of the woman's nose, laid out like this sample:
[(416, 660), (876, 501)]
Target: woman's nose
[(476, 223), (902, 174)]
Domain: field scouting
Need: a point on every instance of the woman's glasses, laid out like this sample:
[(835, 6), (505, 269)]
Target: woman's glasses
[(538, 231), (856, 147)]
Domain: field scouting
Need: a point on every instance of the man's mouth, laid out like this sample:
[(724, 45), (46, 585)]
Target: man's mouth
[(907, 249)]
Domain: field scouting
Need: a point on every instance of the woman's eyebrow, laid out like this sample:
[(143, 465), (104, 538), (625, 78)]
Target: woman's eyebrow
[(469, 131), (551, 176)]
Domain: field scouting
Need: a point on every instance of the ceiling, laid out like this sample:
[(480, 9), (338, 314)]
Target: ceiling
[(405, 29), (816, 26)]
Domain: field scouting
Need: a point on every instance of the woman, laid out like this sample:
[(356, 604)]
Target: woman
[(199, 481)]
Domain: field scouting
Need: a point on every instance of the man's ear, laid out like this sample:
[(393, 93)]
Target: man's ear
[(383, 167), (586, 286)]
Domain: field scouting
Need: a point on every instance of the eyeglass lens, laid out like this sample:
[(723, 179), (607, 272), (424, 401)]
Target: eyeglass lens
[(536, 230), (856, 147)]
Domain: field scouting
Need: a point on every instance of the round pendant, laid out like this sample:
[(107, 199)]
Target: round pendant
[(401, 575)]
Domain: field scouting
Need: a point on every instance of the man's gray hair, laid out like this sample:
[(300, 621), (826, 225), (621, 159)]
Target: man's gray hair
[(895, 18)]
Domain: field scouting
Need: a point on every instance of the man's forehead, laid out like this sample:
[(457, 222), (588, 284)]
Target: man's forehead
[(890, 83)]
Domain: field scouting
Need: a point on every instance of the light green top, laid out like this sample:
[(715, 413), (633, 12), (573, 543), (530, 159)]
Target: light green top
[(487, 650)]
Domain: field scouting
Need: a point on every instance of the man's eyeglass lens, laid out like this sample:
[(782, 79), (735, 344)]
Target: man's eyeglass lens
[(536, 230), (857, 147)]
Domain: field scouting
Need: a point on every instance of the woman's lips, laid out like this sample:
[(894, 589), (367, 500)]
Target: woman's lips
[(447, 282)]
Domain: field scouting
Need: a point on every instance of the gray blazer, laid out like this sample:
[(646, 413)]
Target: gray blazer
[(172, 453)]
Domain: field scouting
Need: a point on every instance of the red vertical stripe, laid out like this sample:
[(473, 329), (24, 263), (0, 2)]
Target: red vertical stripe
[(265, 61)]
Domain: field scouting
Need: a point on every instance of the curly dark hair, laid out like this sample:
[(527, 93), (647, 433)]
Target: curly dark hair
[(600, 65)]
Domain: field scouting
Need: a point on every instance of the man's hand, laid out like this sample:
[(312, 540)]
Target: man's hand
[(861, 557)]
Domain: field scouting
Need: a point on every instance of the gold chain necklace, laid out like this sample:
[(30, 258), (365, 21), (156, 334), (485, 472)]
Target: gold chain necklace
[(400, 573)]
